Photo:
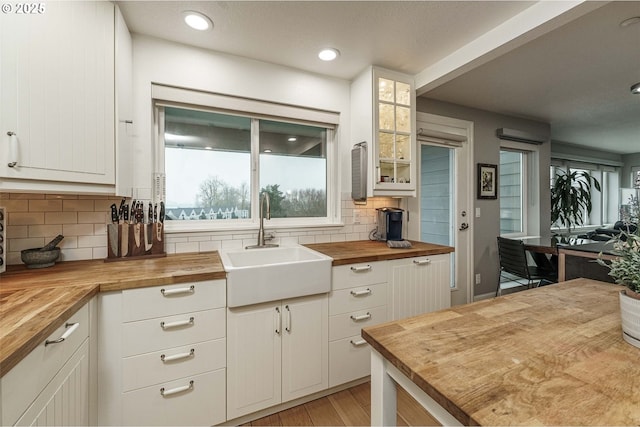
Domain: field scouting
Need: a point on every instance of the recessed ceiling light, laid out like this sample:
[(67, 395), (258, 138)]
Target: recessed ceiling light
[(630, 21), (267, 150), (328, 54), (635, 89), (292, 139), (197, 20)]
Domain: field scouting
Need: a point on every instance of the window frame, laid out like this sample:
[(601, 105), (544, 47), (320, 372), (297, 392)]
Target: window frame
[(600, 200), (523, 192), (530, 188), (166, 96)]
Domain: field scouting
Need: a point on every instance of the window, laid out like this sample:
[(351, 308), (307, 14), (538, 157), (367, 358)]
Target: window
[(605, 203), (217, 162), (512, 173)]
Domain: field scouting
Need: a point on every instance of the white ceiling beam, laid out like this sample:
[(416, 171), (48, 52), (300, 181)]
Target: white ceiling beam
[(541, 18)]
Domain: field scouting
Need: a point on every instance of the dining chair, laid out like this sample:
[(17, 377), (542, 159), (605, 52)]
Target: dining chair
[(514, 266)]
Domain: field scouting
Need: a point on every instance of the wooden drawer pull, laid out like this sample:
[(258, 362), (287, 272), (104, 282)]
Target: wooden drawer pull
[(178, 356), (71, 328), (167, 393), (361, 268), (177, 324), (361, 317), (191, 289), (361, 293), (421, 261), (357, 343)]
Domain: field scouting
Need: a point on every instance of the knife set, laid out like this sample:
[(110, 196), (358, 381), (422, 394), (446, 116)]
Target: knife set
[(131, 234)]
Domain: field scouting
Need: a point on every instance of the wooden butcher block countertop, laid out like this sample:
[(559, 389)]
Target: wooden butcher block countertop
[(548, 356), (34, 302), (369, 251)]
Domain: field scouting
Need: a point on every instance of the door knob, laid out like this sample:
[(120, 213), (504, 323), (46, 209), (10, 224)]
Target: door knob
[(463, 226)]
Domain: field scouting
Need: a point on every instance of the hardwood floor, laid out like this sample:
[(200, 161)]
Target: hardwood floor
[(351, 407)]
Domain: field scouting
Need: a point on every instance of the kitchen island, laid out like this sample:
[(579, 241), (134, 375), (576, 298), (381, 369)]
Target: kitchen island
[(548, 356)]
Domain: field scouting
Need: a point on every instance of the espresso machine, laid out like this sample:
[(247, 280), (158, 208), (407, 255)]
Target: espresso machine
[(389, 224)]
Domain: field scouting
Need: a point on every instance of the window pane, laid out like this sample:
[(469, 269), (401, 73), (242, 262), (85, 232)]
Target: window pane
[(610, 197), (207, 165), (510, 192), (293, 168)]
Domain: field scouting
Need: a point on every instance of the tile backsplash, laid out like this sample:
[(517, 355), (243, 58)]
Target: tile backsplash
[(32, 220)]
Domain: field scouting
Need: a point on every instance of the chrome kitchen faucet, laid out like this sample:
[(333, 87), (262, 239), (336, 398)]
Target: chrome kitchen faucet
[(264, 198)]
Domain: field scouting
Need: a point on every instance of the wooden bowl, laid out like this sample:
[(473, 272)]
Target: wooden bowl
[(36, 258)]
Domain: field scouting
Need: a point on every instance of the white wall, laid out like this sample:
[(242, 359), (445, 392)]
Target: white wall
[(487, 150), (34, 219), (158, 61)]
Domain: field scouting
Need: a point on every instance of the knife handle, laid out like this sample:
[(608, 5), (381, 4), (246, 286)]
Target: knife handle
[(114, 214)]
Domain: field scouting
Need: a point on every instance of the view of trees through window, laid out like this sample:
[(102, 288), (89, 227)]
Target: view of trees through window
[(208, 159)]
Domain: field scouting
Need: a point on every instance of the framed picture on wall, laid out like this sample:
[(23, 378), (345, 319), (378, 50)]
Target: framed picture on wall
[(487, 181)]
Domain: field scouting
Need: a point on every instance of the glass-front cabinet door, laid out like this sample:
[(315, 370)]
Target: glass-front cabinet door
[(394, 132)]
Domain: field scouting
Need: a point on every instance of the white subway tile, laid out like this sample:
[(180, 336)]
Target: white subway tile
[(91, 241), (45, 205), (99, 253), (76, 254), (44, 230), (182, 248), (60, 218), (25, 218), (209, 246), (94, 217), (78, 205), (78, 230)]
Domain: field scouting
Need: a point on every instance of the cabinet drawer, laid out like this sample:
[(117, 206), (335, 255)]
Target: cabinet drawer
[(349, 324), (349, 359), (23, 383), (366, 273), (201, 403), (355, 299), (169, 364), (157, 301), (172, 331)]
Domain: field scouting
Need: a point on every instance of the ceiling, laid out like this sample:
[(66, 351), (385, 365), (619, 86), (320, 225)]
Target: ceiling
[(576, 77)]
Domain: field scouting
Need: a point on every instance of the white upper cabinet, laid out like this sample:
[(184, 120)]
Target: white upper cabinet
[(383, 107), (57, 83)]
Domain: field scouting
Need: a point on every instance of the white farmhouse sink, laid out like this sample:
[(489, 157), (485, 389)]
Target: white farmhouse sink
[(270, 274)]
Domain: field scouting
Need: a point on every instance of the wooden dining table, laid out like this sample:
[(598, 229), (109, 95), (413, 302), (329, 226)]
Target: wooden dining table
[(549, 245)]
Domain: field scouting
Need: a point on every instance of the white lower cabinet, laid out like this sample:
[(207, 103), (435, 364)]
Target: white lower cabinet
[(163, 355), (358, 299), (276, 352), (419, 285), (192, 400), (51, 385)]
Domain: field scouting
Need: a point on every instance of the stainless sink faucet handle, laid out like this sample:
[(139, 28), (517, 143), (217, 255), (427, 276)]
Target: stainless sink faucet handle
[(264, 199)]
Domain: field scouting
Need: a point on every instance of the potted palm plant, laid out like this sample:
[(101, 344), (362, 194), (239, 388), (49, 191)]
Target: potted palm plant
[(625, 269), (571, 197)]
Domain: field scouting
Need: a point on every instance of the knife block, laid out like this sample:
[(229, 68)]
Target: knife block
[(134, 241)]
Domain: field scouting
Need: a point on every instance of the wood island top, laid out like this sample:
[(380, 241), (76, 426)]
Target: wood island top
[(548, 356), (368, 251)]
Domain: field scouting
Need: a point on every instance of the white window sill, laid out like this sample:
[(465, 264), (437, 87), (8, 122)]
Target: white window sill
[(244, 226)]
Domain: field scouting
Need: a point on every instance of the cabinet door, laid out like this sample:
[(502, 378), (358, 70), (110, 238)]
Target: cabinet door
[(65, 400), (124, 106), (305, 346), (57, 88), (420, 285), (253, 358)]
